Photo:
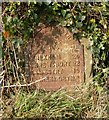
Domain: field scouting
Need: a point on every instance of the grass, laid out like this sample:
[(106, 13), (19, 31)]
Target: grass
[(82, 101)]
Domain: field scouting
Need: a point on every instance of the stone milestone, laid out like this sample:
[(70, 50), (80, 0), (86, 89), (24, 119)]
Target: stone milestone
[(54, 54)]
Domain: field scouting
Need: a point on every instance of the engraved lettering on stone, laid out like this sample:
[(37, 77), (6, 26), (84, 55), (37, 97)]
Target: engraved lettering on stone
[(60, 59)]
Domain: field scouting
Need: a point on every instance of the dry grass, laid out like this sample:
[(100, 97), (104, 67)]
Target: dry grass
[(82, 101)]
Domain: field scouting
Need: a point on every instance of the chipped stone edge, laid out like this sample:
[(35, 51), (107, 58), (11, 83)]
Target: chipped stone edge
[(87, 59)]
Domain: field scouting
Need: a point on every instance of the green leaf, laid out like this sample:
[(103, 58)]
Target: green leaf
[(68, 16), (79, 24), (83, 18), (35, 17), (99, 89), (63, 12), (92, 20)]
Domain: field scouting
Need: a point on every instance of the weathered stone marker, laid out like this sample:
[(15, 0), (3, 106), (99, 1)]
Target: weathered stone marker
[(55, 55)]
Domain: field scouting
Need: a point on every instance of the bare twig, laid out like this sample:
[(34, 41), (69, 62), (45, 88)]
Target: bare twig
[(2, 73), (1, 80), (24, 84), (15, 56)]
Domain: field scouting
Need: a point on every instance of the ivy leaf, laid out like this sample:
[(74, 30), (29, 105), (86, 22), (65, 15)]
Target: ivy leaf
[(35, 17), (79, 24), (99, 89), (83, 18), (63, 22), (92, 20), (48, 19), (68, 16), (63, 12)]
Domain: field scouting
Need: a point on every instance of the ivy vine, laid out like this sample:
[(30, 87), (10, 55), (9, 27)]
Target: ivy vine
[(88, 20)]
